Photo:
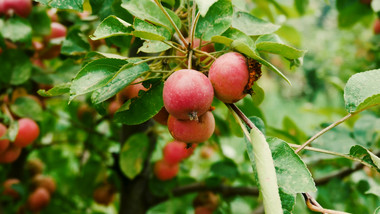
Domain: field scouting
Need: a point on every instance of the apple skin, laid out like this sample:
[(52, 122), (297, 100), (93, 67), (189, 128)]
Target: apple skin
[(192, 131), (165, 171), (11, 154), (187, 94), (114, 106), (45, 182), (162, 117), (38, 199), (203, 210), (104, 194), (19, 7), (27, 133), (3, 143), (58, 30), (8, 190), (229, 76), (376, 27), (175, 151), (35, 167)]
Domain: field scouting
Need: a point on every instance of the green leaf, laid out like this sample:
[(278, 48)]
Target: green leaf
[(271, 43), (40, 21), (126, 76), (12, 130), (112, 26), (148, 31), (149, 11), (225, 169), (252, 25), (217, 20), (287, 201), (366, 156), (242, 47), (350, 12), (367, 130), (292, 173), (75, 43), (60, 89), (137, 111), (362, 91), (15, 67), (204, 5), (337, 140), (133, 154), (64, 4), (265, 170), (233, 34), (153, 47), (258, 94), (95, 75), (27, 107), (301, 6), (17, 30)]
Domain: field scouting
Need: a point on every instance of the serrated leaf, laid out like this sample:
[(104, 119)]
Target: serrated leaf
[(75, 43), (64, 4), (15, 67), (112, 26), (292, 173), (204, 5), (17, 30), (366, 156), (362, 91), (271, 43), (217, 20), (95, 75), (126, 76), (60, 89), (259, 150), (133, 154), (242, 47), (153, 47), (252, 25), (148, 10), (27, 107), (148, 31), (137, 111)]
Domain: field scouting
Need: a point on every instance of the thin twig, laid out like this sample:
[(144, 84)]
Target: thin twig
[(171, 21), (331, 153), (348, 116), (205, 53), (314, 206), (193, 26), (7, 112)]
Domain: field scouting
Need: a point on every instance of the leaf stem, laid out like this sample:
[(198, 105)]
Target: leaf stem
[(205, 53), (171, 21), (193, 26), (331, 153)]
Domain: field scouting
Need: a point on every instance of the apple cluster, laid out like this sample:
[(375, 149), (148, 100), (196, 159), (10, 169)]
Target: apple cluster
[(41, 187), (173, 153), (28, 132)]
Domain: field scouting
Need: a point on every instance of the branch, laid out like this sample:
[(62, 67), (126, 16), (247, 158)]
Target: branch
[(313, 205), (226, 191), (340, 174), (171, 21)]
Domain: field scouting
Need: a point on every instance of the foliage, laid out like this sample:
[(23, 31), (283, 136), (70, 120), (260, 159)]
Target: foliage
[(326, 53)]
